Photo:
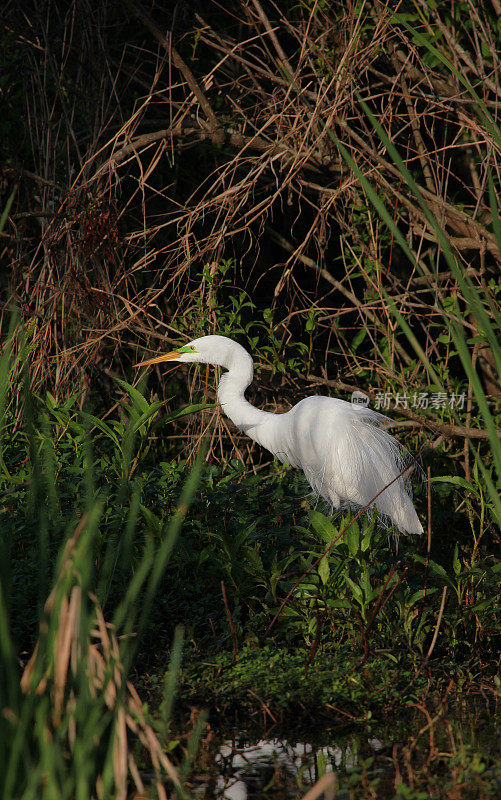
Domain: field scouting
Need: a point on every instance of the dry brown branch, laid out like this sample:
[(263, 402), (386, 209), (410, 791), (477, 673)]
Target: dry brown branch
[(309, 262), (101, 655), (264, 19), (189, 131), (217, 132), (225, 156)]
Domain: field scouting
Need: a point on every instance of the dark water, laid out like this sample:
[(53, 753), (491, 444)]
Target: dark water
[(276, 767), (243, 763)]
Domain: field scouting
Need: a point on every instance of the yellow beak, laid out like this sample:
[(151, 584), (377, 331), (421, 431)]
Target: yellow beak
[(166, 357)]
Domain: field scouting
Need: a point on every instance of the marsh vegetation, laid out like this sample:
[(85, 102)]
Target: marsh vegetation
[(321, 182)]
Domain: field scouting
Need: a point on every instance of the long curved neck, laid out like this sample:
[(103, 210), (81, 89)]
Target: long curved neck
[(230, 392)]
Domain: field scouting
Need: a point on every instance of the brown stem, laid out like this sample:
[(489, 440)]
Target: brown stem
[(215, 127)]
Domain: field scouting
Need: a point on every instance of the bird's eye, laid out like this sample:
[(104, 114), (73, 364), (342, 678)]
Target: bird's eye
[(193, 348)]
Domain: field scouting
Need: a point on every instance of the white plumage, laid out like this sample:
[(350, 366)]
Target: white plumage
[(343, 450)]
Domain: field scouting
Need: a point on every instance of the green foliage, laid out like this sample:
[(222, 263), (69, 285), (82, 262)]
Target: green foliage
[(71, 531), (363, 626), (234, 534), (237, 316), (477, 299), (278, 676)]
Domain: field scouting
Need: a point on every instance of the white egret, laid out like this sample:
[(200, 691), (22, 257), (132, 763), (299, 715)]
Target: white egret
[(342, 448)]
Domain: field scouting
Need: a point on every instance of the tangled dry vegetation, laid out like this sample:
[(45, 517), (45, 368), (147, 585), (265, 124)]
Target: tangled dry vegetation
[(78, 654), (159, 143)]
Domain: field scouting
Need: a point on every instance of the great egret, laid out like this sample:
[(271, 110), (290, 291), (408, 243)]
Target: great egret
[(345, 454)]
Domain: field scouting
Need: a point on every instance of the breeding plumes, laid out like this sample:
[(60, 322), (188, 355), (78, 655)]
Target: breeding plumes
[(343, 449)]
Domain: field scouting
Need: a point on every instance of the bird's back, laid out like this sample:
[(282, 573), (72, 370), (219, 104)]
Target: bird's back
[(348, 458)]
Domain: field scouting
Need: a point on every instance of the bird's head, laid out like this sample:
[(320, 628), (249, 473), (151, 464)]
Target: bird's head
[(218, 350)]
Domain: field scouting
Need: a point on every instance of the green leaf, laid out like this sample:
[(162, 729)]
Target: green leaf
[(182, 412), (102, 426), (50, 400), (436, 568), (365, 582), (367, 536), (321, 763), (152, 410), (352, 537), (137, 398), (324, 570), (482, 605), (414, 598), (455, 480), (323, 526), (356, 590), (359, 338), (6, 211)]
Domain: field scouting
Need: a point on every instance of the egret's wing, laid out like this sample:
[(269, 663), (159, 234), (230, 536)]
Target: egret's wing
[(349, 458)]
